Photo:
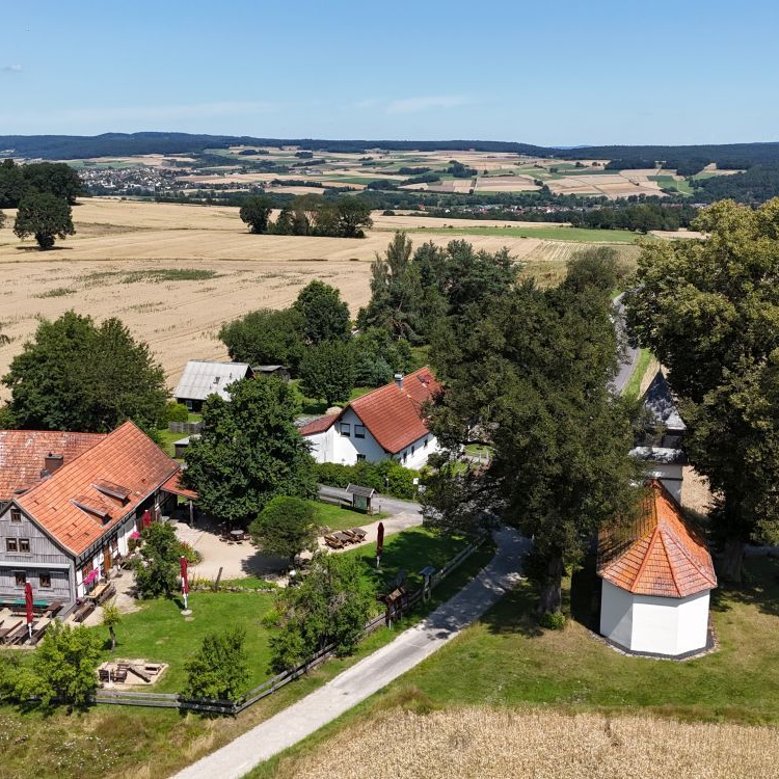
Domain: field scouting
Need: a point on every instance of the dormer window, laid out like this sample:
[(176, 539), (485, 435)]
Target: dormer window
[(112, 490)]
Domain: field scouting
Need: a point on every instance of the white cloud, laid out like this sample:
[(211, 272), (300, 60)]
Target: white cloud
[(412, 105), (11, 69)]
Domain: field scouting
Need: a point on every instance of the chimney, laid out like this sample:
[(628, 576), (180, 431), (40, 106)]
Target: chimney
[(399, 380), (52, 462)]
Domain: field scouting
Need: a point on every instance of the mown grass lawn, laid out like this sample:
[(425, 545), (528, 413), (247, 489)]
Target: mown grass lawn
[(336, 518), (158, 632)]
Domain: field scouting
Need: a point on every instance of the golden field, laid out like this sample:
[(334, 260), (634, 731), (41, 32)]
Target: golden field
[(108, 269), (484, 743)]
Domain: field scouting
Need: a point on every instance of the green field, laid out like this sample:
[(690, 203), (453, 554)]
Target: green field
[(669, 182), (575, 234)]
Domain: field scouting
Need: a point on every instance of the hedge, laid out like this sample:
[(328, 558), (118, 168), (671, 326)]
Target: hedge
[(387, 477)]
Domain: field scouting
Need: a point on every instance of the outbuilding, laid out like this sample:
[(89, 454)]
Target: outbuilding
[(657, 575)]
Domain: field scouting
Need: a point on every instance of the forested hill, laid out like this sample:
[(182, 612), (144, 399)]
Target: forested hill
[(688, 160), (69, 147)]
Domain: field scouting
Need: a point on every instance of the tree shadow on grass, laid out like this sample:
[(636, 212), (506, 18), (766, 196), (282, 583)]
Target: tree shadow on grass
[(760, 588), (515, 613), (38, 249)]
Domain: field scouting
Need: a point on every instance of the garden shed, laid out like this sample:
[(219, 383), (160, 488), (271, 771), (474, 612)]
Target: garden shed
[(657, 575)]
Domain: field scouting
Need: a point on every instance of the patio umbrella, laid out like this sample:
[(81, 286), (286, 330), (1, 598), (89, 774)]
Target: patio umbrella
[(379, 542), (28, 606), (146, 519), (184, 580)]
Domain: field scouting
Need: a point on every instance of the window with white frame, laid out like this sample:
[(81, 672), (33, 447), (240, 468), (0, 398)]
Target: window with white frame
[(359, 430), (346, 429)]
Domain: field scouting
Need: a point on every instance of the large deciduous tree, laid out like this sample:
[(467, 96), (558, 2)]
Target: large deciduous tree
[(45, 216), (220, 668), (529, 378), (325, 316), (256, 212), (709, 310), (249, 452), (327, 371), (264, 337), (76, 375)]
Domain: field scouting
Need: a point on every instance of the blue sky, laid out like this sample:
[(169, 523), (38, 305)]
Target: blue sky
[(567, 72)]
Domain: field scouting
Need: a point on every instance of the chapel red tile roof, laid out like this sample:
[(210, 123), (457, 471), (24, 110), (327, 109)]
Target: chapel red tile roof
[(661, 554), (72, 504), (395, 415), (22, 454)]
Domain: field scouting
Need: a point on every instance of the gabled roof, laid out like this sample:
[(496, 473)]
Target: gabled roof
[(659, 401), (661, 554), (202, 378), (74, 507), (393, 414), (22, 454), (319, 425)]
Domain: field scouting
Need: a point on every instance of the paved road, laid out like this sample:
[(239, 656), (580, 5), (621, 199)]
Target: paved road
[(369, 675), (627, 363)]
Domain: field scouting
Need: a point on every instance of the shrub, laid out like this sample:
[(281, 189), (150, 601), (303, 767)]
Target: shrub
[(193, 556), (555, 620), (285, 527), (387, 477), (176, 412), (220, 669)]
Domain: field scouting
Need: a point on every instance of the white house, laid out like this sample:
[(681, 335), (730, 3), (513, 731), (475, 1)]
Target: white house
[(657, 575), (202, 378), (661, 448), (387, 422)]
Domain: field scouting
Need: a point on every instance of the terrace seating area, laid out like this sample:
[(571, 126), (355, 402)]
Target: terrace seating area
[(13, 623), (343, 538)]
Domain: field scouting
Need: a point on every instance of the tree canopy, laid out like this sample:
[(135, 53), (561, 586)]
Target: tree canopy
[(331, 605), (327, 371), (76, 375), (528, 377), (55, 178), (266, 337), (255, 212), (285, 527), (325, 317), (709, 310), (220, 668), (45, 216), (157, 569), (249, 451)]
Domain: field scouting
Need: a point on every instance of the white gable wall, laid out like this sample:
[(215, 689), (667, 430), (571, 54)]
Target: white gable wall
[(340, 444)]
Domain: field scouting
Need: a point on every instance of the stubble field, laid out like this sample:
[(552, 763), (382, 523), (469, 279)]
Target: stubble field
[(174, 273)]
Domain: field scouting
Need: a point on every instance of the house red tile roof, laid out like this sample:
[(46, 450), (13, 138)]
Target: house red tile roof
[(175, 487), (395, 415), (22, 454), (661, 554), (80, 502), (318, 425)]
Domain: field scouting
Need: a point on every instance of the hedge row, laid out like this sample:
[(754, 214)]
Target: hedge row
[(388, 477)]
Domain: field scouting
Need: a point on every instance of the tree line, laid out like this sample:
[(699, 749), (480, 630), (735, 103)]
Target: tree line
[(346, 217)]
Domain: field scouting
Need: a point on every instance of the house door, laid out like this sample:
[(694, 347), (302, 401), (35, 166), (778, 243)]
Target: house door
[(107, 558)]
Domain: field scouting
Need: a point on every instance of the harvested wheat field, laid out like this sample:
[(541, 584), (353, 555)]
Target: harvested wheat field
[(174, 273), (496, 744)]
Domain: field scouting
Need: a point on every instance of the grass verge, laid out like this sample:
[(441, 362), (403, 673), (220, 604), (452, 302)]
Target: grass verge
[(633, 387)]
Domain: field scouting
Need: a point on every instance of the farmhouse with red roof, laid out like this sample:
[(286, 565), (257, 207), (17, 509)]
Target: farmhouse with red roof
[(72, 502), (657, 575), (388, 422)]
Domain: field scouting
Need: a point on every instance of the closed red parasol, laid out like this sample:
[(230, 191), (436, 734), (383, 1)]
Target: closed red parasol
[(28, 606), (379, 539), (184, 579), (146, 519)]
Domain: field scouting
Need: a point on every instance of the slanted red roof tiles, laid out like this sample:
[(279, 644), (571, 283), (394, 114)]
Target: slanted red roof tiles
[(68, 504), (661, 554), (318, 425), (393, 414), (22, 454)]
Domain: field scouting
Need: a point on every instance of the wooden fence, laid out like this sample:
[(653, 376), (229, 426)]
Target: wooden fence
[(185, 428), (231, 708)]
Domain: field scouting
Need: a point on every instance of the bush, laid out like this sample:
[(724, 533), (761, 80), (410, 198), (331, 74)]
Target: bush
[(387, 477), (176, 412), (193, 556), (285, 527), (553, 621), (220, 669)]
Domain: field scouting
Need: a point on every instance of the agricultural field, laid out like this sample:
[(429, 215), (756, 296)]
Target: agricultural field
[(174, 273)]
